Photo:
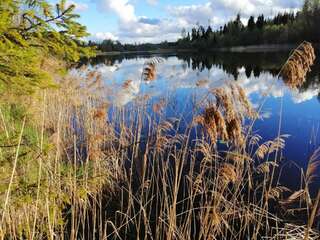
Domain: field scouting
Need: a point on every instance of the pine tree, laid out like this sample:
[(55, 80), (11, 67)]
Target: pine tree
[(201, 32), (188, 37), (225, 29), (260, 22), (194, 34), (208, 32), (251, 23), (238, 24), (31, 32)]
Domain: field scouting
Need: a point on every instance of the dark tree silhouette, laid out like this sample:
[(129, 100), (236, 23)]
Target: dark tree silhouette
[(251, 23), (260, 22)]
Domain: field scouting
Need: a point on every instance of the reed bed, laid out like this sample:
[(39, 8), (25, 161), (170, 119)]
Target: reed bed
[(97, 172)]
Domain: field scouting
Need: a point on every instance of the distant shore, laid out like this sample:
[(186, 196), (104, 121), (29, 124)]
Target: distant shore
[(235, 49), (157, 51), (258, 48)]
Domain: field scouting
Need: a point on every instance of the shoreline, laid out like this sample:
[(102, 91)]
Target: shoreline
[(267, 48), (158, 51), (258, 48)]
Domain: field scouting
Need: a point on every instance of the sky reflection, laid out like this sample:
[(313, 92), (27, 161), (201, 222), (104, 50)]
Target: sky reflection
[(174, 74), (184, 81)]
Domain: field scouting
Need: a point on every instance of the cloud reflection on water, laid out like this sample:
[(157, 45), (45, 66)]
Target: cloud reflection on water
[(174, 75)]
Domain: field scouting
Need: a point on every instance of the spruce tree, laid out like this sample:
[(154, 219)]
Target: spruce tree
[(31, 32), (251, 23)]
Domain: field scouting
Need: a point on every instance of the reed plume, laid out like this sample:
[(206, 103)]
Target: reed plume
[(228, 173), (202, 82), (210, 123), (149, 72), (224, 99), (223, 120), (313, 166), (127, 84), (159, 106), (234, 128), (298, 65), (221, 125), (240, 94)]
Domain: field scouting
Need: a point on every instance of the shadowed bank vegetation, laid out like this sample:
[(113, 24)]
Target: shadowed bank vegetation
[(75, 167)]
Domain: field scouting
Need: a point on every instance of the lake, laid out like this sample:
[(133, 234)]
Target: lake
[(184, 79)]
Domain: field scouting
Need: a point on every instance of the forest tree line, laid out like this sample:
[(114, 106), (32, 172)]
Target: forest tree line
[(284, 28)]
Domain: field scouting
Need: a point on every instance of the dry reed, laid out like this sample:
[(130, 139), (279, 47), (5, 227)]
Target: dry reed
[(298, 65), (149, 72), (223, 120), (202, 82), (131, 174)]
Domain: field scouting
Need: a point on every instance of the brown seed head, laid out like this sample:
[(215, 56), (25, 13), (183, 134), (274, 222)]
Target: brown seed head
[(298, 65)]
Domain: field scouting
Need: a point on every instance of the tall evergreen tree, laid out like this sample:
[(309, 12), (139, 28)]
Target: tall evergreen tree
[(225, 29), (194, 34), (238, 24), (208, 32), (260, 22), (251, 23), (31, 32), (201, 32)]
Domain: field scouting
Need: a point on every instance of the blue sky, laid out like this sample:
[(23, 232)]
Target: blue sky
[(159, 20)]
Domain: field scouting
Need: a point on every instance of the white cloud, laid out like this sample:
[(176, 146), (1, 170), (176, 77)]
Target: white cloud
[(78, 6), (104, 36), (142, 31), (219, 12), (299, 97), (122, 8), (243, 6), (133, 28), (192, 13), (256, 7)]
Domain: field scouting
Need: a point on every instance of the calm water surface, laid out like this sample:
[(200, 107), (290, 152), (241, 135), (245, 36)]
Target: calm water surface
[(178, 82)]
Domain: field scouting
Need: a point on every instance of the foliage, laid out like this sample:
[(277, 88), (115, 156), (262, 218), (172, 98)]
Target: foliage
[(31, 32), (38, 42)]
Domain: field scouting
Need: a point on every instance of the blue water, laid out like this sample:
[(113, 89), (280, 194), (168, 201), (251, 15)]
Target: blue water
[(176, 82)]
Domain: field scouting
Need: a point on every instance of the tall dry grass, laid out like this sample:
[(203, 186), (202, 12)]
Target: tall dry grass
[(128, 173)]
